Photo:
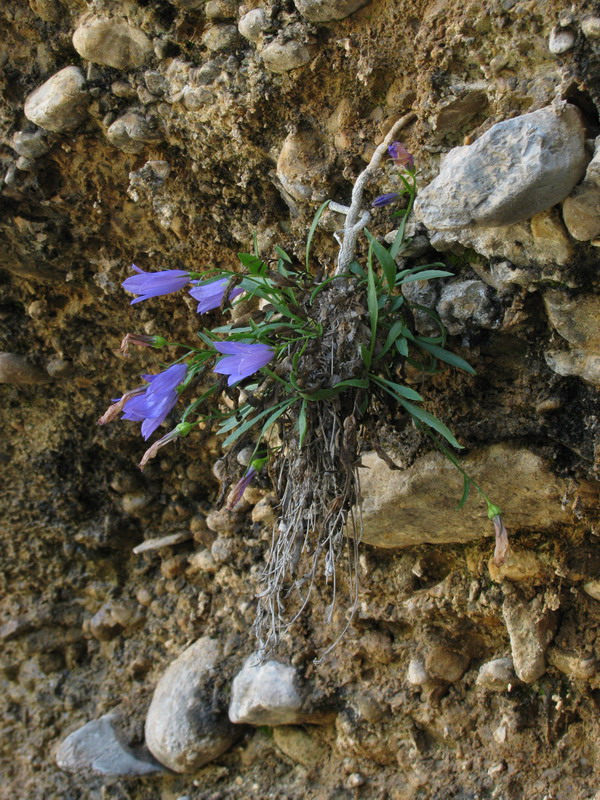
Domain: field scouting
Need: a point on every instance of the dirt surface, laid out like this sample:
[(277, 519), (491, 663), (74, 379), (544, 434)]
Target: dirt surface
[(87, 626)]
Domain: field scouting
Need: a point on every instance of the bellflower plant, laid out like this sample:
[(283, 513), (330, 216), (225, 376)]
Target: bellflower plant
[(324, 359)]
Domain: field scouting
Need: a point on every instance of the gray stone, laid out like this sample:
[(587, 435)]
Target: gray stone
[(576, 319), (112, 42), (464, 305), (253, 24), (578, 363), (279, 57), (98, 748), (131, 132), (518, 168), (497, 675), (197, 98), (327, 10), (59, 104), (17, 370), (417, 505), (30, 145), (531, 627), (220, 38), (265, 694), (560, 41), (186, 727)]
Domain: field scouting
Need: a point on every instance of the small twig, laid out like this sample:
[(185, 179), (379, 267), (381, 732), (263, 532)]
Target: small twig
[(356, 217)]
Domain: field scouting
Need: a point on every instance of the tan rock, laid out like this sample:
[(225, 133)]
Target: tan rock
[(530, 626), (573, 664), (417, 505), (297, 744), (575, 362), (284, 57), (300, 161), (519, 565), (550, 237), (17, 370), (576, 319), (581, 213), (113, 42)]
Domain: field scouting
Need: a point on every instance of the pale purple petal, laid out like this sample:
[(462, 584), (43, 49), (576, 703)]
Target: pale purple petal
[(210, 295), (242, 359), (153, 284)]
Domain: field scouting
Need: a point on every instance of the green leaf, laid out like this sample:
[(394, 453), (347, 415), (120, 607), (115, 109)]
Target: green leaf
[(418, 268), (276, 414), (356, 269), (312, 230), (366, 356), (399, 238), (325, 394), (282, 254), (433, 422), (393, 334), (302, 423), (465, 494), (397, 303), (426, 275), (372, 300), (253, 264), (251, 422), (444, 355), (206, 339), (402, 346), (404, 391), (388, 265), (234, 420)]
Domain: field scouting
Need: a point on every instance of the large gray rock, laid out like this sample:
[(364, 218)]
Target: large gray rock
[(61, 103), (186, 727), (418, 505), (327, 10), (531, 627), (113, 42), (516, 169), (98, 748), (464, 305), (265, 694)]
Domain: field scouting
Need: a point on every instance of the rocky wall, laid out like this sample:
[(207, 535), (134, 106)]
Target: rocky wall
[(166, 134)]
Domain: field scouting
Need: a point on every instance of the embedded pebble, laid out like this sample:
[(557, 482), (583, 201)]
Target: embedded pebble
[(530, 627), (98, 747), (327, 10), (592, 588), (112, 42), (497, 675), (284, 57), (220, 9), (194, 99), (590, 27), (416, 673), (572, 664), (103, 626), (560, 41), (203, 561), (579, 363), (576, 318), (219, 38), (131, 132), (265, 694), (296, 743), (17, 370), (253, 24), (516, 169), (300, 161), (519, 565), (186, 726), (30, 145), (60, 104), (162, 541)]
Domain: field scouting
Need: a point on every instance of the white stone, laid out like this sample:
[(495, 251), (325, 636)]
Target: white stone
[(185, 727), (112, 42), (219, 38), (592, 588), (590, 27), (417, 505), (327, 10), (162, 541), (59, 104), (497, 675), (284, 57), (131, 132), (560, 41), (98, 747), (252, 24), (516, 169), (265, 694)]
